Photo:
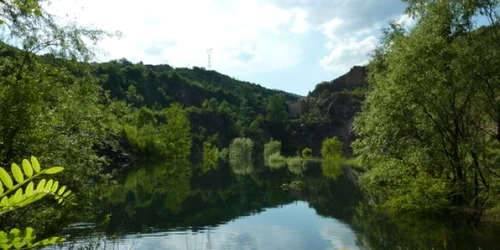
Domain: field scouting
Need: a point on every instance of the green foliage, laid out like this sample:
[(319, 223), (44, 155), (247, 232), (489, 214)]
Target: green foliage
[(177, 132), (307, 153), (35, 29), (211, 105), (331, 166), (224, 154), (150, 138), (210, 157), (429, 125), (14, 196), (276, 161), (331, 146), (163, 183), (276, 108), (240, 155), (296, 165), (271, 148)]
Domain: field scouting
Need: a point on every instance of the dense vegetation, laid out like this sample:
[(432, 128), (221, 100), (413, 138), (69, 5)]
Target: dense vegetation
[(428, 134), (430, 129)]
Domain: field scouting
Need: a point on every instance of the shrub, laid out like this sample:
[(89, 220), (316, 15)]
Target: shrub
[(307, 153), (296, 165), (271, 148), (240, 155), (276, 161), (210, 157), (331, 146)]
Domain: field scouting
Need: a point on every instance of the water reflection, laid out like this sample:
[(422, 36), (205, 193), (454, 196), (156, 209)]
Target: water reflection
[(292, 226), (377, 231), (166, 206), (332, 167)]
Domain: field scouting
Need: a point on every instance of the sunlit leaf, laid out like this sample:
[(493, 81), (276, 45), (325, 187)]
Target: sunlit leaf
[(41, 185), (29, 188), (5, 178), (17, 173), (54, 170), (28, 169), (48, 186), (61, 190), (55, 186), (35, 164)]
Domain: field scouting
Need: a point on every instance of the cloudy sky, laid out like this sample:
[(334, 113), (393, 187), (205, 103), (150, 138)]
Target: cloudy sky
[(281, 44)]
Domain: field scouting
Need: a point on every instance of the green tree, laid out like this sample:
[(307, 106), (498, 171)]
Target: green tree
[(429, 126), (240, 155), (210, 157), (331, 165), (276, 161), (270, 148), (276, 108), (331, 147), (307, 153), (177, 133), (211, 105), (296, 165)]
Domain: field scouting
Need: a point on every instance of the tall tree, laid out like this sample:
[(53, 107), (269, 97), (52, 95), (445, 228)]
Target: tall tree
[(428, 129), (276, 108)]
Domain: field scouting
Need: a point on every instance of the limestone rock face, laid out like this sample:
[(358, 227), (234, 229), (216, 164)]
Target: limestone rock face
[(337, 103), (355, 78)]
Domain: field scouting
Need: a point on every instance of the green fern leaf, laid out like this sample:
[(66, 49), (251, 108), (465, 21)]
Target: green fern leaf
[(66, 194), (55, 186), (24, 196), (29, 188), (4, 201), (17, 173), (54, 170), (41, 185), (48, 186), (35, 164), (17, 197), (28, 169), (5, 178), (61, 190)]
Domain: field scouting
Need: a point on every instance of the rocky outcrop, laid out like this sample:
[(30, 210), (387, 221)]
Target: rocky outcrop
[(337, 102), (355, 78), (298, 108)]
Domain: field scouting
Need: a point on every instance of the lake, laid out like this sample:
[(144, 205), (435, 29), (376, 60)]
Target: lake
[(170, 207)]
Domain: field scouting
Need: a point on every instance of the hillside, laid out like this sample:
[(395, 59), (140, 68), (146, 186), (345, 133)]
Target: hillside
[(329, 110)]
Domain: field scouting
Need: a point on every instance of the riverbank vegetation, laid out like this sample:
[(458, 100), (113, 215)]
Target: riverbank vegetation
[(429, 132), (428, 136)]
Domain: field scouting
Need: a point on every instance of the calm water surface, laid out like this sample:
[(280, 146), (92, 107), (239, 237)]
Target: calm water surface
[(166, 207), (291, 226)]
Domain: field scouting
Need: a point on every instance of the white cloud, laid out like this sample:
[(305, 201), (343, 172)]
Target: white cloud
[(249, 38), (349, 26), (352, 32), (347, 53), (180, 32), (406, 21)]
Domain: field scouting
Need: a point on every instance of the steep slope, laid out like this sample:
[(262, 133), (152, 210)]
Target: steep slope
[(329, 110)]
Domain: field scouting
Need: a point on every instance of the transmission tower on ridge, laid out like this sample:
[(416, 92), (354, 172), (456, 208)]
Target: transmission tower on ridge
[(209, 53)]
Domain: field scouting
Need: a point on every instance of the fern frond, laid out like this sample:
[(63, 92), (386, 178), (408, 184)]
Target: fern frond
[(24, 239), (23, 197)]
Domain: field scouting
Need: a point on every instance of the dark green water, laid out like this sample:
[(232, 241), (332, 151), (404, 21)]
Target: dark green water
[(167, 207)]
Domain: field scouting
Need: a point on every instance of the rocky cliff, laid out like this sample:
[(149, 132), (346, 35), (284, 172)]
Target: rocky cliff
[(329, 110)]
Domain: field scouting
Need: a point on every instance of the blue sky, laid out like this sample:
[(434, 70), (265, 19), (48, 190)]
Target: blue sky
[(281, 44)]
